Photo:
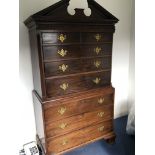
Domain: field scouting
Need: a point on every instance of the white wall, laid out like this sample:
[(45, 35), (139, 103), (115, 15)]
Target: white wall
[(120, 70), (131, 83), (121, 49)]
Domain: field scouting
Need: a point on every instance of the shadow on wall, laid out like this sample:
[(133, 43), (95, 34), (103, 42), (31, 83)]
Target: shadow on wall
[(25, 68), (120, 109)]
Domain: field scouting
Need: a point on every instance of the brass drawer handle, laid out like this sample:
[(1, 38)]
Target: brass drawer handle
[(64, 86), (63, 67), (64, 142), (97, 80), (63, 125), (100, 114), (62, 38), (98, 37), (101, 128), (97, 50), (100, 100), (62, 110), (62, 52), (97, 64)]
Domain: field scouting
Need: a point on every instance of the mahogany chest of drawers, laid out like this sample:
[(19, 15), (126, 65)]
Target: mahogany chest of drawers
[(71, 62)]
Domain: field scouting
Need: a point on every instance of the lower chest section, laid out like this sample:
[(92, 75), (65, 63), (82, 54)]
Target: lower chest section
[(73, 122)]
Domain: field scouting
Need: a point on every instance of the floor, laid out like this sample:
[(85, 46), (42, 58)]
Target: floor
[(124, 145)]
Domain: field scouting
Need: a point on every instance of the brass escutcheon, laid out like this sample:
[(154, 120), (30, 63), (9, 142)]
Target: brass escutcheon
[(64, 86), (101, 100), (97, 50), (62, 110), (98, 37), (100, 114), (62, 52), (97, 64), (101, 128), (97, 80), (64, 142), (63, 125), (63, 67), (62, 38)]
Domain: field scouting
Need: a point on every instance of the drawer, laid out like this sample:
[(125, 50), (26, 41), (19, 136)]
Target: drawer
[(79, 137), (96, 49), (96, 37), (71, 84), (55, 52), (77, 66), (77, 122), (72, 107), (60, 37), (75, 51)]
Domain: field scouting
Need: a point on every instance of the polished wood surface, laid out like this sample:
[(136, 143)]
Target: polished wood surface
[(75, 107), (60, 38), (77, 122), (77, 83), (51, 52), (96, 37), (78, 137), (71, 63), (77, 66)]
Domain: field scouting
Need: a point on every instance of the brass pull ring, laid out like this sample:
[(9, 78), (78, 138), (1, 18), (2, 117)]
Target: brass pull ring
[(100, 114), (62, 52), (64, 86), (62, 110), (100, 100), (98, 37), (63, 67), (97, 80), (62, 37)]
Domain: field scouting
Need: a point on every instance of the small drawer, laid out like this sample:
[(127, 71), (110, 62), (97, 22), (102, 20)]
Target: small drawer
[(96, 49), (79, 137), (78, 106), (77, 122), (57, 52), (71, 84), (77, 66), (96, 37), (64, 37)]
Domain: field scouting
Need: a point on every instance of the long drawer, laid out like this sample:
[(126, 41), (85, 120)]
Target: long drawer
[(76, 37), (79, 137), (58, 52), (71, 84), (77, 122), (74, 107), (77, 66)]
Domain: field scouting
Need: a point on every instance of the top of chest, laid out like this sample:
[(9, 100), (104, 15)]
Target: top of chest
[(58, 14)]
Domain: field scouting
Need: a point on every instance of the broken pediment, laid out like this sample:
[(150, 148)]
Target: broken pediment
[(58, 13)]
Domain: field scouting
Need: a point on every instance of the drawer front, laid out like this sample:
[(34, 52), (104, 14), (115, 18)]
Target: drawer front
[(71, 84), (76, 138), (77, 122), (96, 37), (55, 52), (75, 51), (77, 66), (60, 38), (77, 107), (97, 49)]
